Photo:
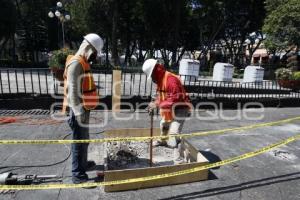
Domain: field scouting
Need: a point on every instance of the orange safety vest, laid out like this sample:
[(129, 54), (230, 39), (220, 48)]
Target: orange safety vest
[(89, 94), (167, 114)]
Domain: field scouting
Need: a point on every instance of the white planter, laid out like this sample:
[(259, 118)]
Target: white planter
[(189, 69), (223, 72), (253, 74)]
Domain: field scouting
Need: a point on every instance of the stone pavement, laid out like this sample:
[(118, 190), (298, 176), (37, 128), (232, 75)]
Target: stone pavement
[(272, 175)]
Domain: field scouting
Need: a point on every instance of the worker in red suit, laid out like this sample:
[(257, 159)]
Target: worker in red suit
[(173, 102)]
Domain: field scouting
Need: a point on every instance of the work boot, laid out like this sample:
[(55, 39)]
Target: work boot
[(178, 159), (158, 143), (172, 142), (90, 164), (80, 179)]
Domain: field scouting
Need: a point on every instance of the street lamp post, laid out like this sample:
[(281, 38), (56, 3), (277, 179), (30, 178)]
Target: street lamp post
[(252, 42), (63, 16)]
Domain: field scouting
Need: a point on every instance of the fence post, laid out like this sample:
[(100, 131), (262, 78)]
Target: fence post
[(116, 92)]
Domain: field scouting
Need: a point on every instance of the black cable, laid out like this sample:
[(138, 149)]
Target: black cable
[(16, 167), (98, 132)]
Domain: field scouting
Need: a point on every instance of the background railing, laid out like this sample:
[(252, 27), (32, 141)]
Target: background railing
[(40, 81)]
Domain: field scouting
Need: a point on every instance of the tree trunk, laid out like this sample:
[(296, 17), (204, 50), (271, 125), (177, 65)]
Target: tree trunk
[(140, 56), (131, 51), (127, 53), (2, 44), (176, 32), (174, 56), (165, 57), (106, 53), (115, 56), (14, 48), (180, 56)]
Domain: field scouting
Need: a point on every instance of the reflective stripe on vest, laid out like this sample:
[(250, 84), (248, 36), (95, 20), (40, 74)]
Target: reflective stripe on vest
[(90, 97), (167, 114)]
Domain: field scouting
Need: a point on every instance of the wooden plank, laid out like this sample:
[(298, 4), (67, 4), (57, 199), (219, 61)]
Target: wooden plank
[(193, 152), (197, 159), (141, 172), (116, 92), (131, 132), (190, 153)]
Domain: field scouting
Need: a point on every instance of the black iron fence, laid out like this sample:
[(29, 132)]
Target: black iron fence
[(238, 90), (26, 81), (134, 83), (22, 64)]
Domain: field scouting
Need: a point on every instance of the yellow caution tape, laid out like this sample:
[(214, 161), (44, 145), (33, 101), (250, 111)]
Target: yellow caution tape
[(125, 139), (155, 177)]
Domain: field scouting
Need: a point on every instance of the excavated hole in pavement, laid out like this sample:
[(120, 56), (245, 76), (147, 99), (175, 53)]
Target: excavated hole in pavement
[(130, 155)]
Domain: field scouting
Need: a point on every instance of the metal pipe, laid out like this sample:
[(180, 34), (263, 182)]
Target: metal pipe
[(63, 32), (16, 77), (151, 141), (1, 82)]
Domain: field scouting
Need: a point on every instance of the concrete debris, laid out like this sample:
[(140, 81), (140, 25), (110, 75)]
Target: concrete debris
[(130, 155)]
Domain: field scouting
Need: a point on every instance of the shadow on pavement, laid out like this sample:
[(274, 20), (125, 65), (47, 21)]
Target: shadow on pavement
[(238, 187), (96, 168), (211, 157)]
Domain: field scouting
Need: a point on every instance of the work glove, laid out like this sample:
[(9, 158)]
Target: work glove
[(82, 118), (151, 107)]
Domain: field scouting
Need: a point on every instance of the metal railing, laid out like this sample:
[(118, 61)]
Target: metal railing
[(238, 90), (25, 81), (41, 82)]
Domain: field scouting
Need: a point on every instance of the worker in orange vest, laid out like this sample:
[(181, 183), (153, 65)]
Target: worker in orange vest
[(81, 96), (173, 102)]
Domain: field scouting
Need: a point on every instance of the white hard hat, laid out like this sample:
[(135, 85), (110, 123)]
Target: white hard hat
[(148, 67), (95, 40)]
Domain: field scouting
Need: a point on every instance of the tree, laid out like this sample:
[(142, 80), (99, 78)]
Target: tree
[(169, 26), (7, 21), (210, 22), (282, 25), (241, 18), (166, 23), (103, 18), (145, 26), (77, 27), (32, 27), (226, 24)]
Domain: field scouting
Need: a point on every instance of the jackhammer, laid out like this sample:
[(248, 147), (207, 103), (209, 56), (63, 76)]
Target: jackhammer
[(14, 179)]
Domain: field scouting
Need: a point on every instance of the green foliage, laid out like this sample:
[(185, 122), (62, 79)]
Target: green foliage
[(287, 74), (7, 21), (284, 74), (229, 22), (7, 18), (296, 76), (58, 58), (135, 27), (32, 29), (170, 25), (271, 5), (282, 24), (78, 25)]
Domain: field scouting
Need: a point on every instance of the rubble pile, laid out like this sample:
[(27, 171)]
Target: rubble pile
[(130, 155)]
